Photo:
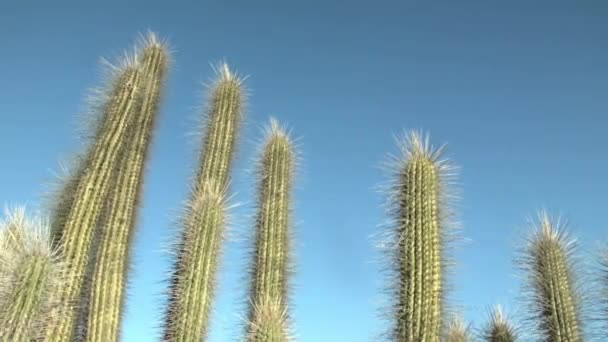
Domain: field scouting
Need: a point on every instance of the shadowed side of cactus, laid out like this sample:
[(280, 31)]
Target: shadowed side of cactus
[(107, 285), (498, 328), (268, 314), (94, 180), (457, 331), (419, 208), (30, 270), (554, 297), (198, 247)]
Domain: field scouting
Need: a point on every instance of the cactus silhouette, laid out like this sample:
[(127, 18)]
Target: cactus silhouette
[(457, 331), (82, 208), (498, 328), (418, 205), (198, 247), (107, 284), (268, 315), (554, 298), (30, 270)]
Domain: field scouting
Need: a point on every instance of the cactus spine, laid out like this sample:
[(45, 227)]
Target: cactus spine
[(457, 331), (106, 296), (89, 194), (418, 207), (30, 270), (498, 328), (554, 297), (268, 312), (192, 281)]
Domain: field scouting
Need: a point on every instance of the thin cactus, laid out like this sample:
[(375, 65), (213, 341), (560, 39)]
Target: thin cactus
[(198, 248), (554, 297), (498, 328), (88, 199), (268, 314), (110, 263), (457, 331), (419, 208), (30, 270)]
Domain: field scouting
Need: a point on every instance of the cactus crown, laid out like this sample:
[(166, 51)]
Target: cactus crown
[(498, 328), (553, 291), (457, 331)]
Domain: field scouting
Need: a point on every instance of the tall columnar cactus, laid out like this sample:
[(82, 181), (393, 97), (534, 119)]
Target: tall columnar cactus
[(90, 189), (198, 247), (457, 331), (419, 209), (30, 270), (498, 328), (110, 263), (553, 289), (268, 314)]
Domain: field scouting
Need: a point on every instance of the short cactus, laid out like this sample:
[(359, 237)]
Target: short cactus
[(457, 331), (110, 263), (268, 314), (198, 247), (30, 270), (498, 328), (90, 193), (554, 299), (418, 205)]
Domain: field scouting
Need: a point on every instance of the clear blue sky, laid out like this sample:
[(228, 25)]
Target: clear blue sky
[(517, 90)]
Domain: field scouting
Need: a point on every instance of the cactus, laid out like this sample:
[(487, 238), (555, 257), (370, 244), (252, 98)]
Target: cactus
[(268, 313), (457, 331), (418, 235), (498, 328), (107, 285), (198, 248), (552, 284), (90, 188), (30, 270)]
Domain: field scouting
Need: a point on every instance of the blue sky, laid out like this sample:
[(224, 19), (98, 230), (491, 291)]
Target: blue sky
[(517, 90)]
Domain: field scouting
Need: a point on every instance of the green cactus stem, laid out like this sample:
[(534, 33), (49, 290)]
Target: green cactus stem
[(89, 197), (419, 208), (107, 285), (198, 248), (498, 328), (30, 270), (554, 300), (268, 314)]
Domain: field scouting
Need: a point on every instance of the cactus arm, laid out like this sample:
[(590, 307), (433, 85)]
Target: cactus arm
[(106, 296), (192, 281), (268, 297), (90, 194)]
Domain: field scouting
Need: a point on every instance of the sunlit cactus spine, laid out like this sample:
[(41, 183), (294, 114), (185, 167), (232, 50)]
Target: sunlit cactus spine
[(110, 263), (457, 331), (419, 208), (198, 247), (554, 296), (268, 312), (82, 208), (498, 328), (30, 271)]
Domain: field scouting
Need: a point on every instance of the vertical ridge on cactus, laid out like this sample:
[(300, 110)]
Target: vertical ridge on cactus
[(419, 208), (268, 314), (106, 293), (198, 248), (554, 297), (498, 328), (90, 193), (30, 270)]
